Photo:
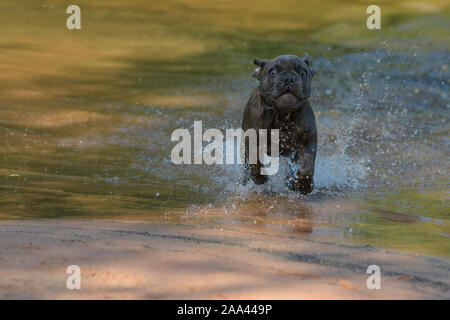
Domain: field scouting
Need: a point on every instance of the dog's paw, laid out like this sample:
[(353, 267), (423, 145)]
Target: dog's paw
[(259, 179), (303, 185)]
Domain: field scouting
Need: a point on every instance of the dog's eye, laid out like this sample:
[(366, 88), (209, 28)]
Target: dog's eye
[(272, 73), (302, 73)]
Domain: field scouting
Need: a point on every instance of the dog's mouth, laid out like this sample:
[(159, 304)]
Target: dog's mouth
[(287, 93), (293, 94), (287, 99)]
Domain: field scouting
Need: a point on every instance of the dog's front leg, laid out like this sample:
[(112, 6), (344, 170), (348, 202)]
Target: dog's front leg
[(303, 180), (254, 169), (255, 173)]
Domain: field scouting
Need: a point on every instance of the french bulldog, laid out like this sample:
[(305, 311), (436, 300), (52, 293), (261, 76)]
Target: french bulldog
[(281, 101)]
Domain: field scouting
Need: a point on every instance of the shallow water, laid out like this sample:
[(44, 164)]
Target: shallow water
[(86, 116)]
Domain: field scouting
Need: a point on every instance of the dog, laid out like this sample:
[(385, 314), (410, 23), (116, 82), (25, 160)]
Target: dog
[(281, 101)]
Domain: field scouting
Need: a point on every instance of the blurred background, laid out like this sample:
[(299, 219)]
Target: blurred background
[(86, 115)]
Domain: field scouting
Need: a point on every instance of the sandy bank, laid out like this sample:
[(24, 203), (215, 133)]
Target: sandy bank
[(144, 260)]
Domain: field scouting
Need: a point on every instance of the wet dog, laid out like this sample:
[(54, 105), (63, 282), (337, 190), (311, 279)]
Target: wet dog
[(280, 101)]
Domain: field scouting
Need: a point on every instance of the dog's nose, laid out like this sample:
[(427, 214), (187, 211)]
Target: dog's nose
[(289, 81)]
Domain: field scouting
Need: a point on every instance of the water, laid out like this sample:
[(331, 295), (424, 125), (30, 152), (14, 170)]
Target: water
[(86, 117)]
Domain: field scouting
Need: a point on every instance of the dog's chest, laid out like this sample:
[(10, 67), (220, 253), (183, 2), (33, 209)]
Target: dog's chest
[(290, 136)]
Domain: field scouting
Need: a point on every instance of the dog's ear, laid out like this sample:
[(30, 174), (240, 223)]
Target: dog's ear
[(259, 62), (308, 61), (260, 65)]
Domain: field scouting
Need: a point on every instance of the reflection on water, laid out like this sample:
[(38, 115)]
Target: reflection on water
[(86, 117)]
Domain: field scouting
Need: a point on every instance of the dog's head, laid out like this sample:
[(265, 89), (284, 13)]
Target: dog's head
[(285, 81)]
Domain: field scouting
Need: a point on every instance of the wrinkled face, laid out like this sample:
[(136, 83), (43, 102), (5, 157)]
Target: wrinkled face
[(285, 81)]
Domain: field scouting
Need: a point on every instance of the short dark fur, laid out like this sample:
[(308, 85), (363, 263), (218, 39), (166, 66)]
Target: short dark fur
[(280, 101)]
